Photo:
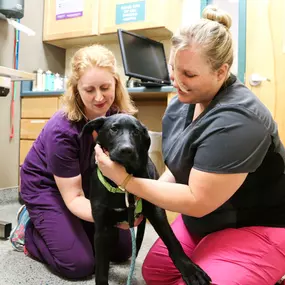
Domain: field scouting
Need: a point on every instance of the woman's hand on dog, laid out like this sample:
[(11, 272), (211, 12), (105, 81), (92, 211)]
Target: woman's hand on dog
[(114, 171)]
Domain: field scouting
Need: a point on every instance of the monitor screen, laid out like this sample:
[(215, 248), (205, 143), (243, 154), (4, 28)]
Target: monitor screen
[(143, 58)]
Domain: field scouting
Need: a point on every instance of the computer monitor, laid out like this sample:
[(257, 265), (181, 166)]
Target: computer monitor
[(143, 58)]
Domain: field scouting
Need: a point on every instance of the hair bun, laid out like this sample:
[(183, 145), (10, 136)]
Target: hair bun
[(214, 14)]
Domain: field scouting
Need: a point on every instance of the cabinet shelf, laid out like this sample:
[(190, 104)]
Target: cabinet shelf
[(155, 33), (15, 74), (137, 93)]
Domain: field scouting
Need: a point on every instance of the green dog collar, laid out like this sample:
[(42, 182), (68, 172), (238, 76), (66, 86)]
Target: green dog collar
[(107, 185), (114, 190)]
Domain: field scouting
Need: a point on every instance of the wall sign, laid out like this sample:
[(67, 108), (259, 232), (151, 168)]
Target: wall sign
[(130, 12), (66, 9)]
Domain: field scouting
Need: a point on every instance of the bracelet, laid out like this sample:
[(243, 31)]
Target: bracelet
[(125, 182)]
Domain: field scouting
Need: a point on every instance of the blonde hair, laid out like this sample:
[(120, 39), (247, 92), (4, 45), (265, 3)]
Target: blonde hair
[(211, 34), (84, 58)]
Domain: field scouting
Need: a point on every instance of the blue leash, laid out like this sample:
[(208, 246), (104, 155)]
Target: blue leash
[(134, 252)]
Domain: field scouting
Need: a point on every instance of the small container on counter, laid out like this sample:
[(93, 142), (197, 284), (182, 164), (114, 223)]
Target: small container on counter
[(48, 81), (52, 82), (57, 82), (44, 81), (39, 80), (65, 79), (34, 83)]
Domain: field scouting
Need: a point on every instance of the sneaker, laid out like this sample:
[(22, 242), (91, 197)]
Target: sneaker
[(17, 235)]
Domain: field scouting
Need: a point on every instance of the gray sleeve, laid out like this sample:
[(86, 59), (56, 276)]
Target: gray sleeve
[(233, 142)]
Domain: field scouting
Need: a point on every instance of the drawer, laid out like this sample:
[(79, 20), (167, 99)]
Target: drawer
[(30, 128), (39, 107), (25, 146)]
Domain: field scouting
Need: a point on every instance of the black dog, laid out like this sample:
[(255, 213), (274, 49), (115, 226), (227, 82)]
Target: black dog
[(127, 142)]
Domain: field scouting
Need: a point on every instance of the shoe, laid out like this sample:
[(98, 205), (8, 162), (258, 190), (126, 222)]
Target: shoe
[(17, 235)]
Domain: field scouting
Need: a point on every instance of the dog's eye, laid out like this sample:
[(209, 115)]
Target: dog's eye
[(114, 129), (136, 132)]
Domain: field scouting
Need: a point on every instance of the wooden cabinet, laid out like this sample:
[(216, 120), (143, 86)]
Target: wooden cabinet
[(39, 107), (30, 128), (265, 56), (25, 146), (101, 18), (35, 112), (151, 18), (66, 26)]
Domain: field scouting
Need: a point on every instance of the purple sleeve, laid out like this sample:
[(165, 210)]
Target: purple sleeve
[(62, 152)]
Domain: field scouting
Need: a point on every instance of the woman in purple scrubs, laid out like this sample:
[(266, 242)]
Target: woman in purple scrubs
[(55, 226)]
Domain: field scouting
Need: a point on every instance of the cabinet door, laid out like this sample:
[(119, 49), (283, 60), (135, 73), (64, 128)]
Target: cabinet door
[(31, 128), (152, 18), (78, 19), (265, 55), (25, 146), (38, 107)]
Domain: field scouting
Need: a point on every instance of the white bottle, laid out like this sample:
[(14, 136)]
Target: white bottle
[(56, 82), (65, 79), (61, 86), (43, 82), (48, 81), (34, 84), (39, 80)]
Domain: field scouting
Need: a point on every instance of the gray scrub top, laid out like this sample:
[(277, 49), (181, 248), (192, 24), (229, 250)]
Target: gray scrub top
[(235, 134)]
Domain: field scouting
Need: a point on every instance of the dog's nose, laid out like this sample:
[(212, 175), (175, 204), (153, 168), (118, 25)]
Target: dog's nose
[(127, 151)]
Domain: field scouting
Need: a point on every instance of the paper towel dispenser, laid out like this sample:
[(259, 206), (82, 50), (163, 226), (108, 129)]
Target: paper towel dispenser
[(12, 8)]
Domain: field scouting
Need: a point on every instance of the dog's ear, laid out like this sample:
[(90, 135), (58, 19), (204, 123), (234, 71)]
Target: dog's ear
[(146, 137), (93, 125)]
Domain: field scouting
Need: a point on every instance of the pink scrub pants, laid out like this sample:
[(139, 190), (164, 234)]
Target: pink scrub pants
[(244, 256)]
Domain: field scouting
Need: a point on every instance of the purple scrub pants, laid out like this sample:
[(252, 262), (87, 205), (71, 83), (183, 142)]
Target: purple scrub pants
[(65, 243)]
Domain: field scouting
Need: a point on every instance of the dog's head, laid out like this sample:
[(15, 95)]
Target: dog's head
[(124, 137)]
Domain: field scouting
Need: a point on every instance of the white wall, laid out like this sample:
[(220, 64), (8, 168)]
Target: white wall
[(191, 11), (232, 7)]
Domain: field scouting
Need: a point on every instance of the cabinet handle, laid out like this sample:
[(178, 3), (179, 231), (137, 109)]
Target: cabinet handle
[(37, 121), (255, 79)]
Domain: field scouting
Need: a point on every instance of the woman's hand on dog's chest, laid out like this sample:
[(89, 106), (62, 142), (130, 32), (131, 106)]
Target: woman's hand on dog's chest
[(114, 171)]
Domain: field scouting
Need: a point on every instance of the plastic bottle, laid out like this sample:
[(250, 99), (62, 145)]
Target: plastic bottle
[(43, 82), (52, 82), (57, 82), (34, 83), (62, 83), (65, 79), (48, 81), (39, 80)]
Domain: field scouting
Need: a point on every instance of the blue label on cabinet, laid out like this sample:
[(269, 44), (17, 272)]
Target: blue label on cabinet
[(130, 12)]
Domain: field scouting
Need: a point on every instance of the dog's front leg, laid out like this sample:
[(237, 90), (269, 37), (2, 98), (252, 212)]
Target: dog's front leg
[(103, 247), (191, 273)]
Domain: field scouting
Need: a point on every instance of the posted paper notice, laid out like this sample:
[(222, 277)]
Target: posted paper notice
[(66, 9)]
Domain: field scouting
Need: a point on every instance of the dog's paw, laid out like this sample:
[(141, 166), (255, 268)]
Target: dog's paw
[(101, 283), (195, 276)]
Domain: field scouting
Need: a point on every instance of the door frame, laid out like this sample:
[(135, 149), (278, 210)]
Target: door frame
[(241, 36)]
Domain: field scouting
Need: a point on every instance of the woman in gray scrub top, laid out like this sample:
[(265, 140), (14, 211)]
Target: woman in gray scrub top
[(55, 225), (225, 166)]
